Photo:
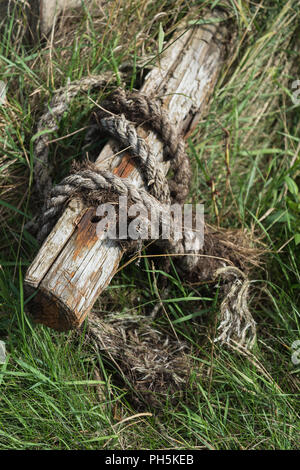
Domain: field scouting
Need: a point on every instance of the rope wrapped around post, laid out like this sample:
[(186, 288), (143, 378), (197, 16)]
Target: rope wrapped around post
[(130, 110)]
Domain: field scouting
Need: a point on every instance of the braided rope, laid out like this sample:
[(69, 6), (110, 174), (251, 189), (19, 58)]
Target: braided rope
[(125, 133)]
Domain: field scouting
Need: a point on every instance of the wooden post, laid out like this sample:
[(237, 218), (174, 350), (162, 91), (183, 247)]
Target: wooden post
[(50, 8), (73, 265)]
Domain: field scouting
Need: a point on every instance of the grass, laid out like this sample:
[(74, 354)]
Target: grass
[(56, 392)]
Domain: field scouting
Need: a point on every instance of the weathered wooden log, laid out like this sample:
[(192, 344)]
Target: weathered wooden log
[(35, 17), (73, 265)]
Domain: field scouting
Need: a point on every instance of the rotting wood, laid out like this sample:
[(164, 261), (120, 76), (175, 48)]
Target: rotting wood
[(73, 265)]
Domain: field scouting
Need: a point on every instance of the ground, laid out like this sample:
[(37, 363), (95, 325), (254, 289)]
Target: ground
[(56, 391)]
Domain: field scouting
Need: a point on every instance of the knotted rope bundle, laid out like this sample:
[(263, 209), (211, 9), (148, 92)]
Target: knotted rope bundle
[(130, 110), (118, 127)]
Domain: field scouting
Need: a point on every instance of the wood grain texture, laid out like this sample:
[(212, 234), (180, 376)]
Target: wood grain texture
[(74, 265)]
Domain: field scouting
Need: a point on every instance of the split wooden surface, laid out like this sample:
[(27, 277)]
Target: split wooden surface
[(74, 265)]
